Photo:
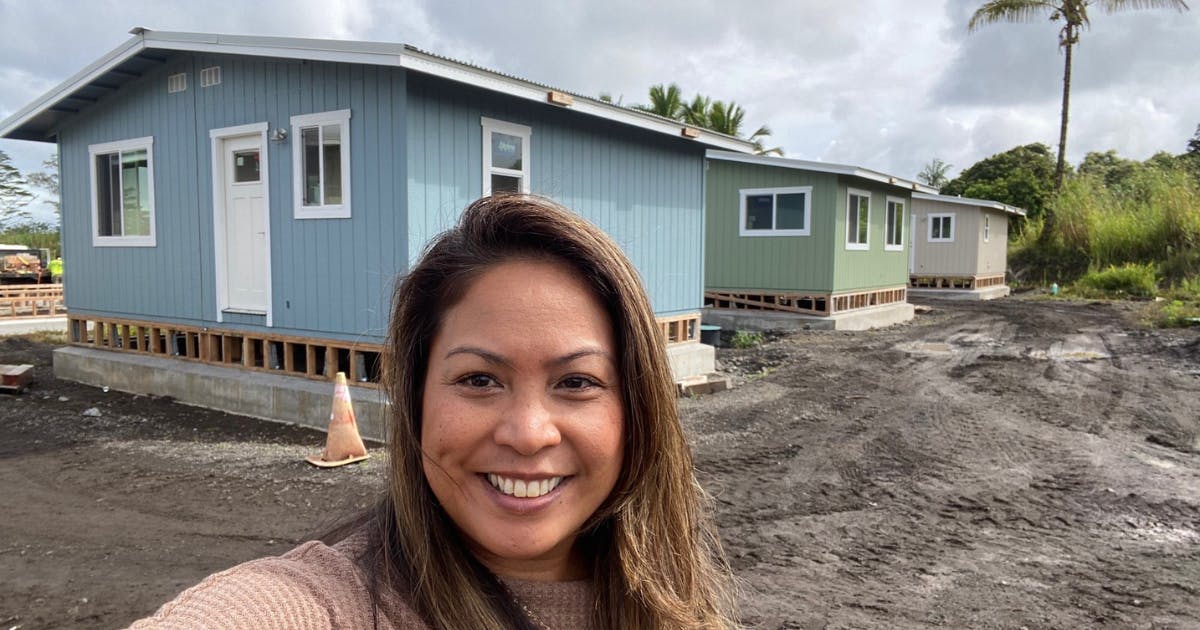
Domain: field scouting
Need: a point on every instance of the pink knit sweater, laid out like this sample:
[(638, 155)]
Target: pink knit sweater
[(315, 586)]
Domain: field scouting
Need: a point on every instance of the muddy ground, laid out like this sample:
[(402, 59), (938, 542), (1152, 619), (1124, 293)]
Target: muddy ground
[(1022, 463)]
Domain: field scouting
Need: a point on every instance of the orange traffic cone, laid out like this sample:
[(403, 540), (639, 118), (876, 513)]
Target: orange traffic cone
[(342, 443)]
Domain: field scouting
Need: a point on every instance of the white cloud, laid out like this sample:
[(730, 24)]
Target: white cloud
[(870, 83)]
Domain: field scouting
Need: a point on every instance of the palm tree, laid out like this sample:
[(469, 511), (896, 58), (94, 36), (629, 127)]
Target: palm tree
[(934, 174), (696, 112), (1075, 16), (665, 101)]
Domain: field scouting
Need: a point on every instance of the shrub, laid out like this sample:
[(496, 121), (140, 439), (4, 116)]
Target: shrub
[(1130, 279), (745, 339)]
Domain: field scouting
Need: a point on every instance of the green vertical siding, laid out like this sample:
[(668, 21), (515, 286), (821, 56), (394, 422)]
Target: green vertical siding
[(769, 263), (873, 268)]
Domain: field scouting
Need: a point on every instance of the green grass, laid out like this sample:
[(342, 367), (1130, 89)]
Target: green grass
[(746, 339), (1128, 280)]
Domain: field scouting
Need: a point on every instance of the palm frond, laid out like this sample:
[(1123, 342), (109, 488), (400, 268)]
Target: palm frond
[(1011, 11)]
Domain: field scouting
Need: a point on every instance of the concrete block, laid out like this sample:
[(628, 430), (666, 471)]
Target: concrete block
[(761, 321), (691, 359)]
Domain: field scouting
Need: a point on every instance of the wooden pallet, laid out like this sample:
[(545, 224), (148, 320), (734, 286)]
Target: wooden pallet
[(14, 378)]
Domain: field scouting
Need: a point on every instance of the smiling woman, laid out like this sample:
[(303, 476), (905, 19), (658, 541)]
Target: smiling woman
[(539, 476)]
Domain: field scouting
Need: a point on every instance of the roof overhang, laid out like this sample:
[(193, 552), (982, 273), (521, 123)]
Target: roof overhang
[(822, 167), (967, 201), (40, 119)]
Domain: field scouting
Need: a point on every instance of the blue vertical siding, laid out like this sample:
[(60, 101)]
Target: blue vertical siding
[(645, 190), (415, 163), (330, 277)]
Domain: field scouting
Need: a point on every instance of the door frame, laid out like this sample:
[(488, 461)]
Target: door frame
[(218, 138)]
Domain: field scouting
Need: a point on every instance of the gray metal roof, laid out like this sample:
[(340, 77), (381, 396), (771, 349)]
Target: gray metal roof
[(146, 49), (821, 167), (967, 201)]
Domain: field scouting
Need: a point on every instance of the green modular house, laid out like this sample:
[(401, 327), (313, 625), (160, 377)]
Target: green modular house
[(804, 237)]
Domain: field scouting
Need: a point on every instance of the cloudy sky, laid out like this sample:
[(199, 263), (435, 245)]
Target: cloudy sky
[(874, 83)]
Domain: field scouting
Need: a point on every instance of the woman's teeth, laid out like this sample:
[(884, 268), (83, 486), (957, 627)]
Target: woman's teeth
[(522, 488)]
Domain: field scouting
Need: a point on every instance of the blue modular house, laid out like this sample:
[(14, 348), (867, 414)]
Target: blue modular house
[(248, 201)]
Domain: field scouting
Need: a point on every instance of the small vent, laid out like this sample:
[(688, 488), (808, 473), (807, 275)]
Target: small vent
[(177, 82), (210, 76)]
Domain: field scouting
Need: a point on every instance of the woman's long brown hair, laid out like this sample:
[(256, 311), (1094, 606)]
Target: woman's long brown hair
[(656, 559)]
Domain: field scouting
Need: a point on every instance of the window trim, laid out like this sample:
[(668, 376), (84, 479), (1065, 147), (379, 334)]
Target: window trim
[(120, 146), (888, 221), (324, 211), (941, 215), (774, 192), (852, 245), (524, 132)]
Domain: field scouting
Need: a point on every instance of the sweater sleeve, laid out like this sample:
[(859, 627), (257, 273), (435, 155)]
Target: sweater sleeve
[(309, 588)]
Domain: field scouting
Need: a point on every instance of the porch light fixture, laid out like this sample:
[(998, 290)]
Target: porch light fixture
[(279, 135)]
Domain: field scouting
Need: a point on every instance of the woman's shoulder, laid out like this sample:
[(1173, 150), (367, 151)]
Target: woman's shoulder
[(313, 586)]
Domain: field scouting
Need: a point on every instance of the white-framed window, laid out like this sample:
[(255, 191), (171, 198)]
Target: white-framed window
[(941, 228), (321, 165), (858, 219), (775, 211), (123, 193), (894, 237), (505, 156), (987, 228)]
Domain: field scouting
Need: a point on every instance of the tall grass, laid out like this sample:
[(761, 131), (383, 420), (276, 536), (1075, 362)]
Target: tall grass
[(1152, 217)]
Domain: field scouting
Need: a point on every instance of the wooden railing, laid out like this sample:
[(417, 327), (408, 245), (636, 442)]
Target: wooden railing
[(31, 300)]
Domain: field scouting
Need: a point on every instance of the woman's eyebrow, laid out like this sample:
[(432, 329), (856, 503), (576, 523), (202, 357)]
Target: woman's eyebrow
[(495, 359), (579, 354), (490, 357)]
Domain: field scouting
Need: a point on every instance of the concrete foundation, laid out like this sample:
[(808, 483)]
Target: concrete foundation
[(691, 360), (278, 398), (986, 293), (275, 397), (861, 319)]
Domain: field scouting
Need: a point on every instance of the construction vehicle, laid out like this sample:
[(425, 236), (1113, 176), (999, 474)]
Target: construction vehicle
[(24, 265)]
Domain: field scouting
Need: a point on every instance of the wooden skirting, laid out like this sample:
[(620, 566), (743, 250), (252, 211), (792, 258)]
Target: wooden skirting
[(866, 299), (299, 356), (821, 304), (680, 328), (318, 359), (956, 282), (31, 300)]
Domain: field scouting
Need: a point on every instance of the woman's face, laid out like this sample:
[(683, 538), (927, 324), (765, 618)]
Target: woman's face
[(522, 417)]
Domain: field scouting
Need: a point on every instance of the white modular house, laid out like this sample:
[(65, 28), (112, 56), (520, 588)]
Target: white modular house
[(959, 246)]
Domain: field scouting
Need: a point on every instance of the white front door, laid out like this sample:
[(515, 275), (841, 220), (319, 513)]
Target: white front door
[(245, 220)]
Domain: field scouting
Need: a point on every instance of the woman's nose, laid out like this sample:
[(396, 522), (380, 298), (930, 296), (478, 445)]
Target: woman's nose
[(528, 424)]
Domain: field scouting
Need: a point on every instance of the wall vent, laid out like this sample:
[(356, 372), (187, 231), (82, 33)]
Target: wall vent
[(210, 76), (177, 82)]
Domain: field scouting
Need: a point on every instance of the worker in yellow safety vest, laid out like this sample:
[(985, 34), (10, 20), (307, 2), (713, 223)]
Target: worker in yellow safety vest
[(56, 270)]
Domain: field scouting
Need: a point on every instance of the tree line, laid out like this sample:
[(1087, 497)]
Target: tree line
[(17, 192)]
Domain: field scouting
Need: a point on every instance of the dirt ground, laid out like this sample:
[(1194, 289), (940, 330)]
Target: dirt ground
[(1022, 463)]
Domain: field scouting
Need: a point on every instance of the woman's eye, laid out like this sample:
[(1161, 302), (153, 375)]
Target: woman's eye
[(478, 381), (577, 383)]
